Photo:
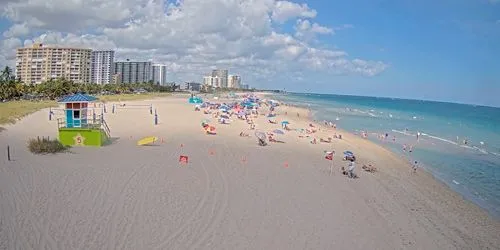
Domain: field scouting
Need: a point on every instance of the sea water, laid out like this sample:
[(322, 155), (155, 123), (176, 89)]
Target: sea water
[(459, 144)]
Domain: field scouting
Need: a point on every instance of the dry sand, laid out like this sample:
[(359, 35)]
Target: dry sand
[(233, 194)]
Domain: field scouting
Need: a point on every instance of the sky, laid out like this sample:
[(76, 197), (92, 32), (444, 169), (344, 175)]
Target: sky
[(446, 50)]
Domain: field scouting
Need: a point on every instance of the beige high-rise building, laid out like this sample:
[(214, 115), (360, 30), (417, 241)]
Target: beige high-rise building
[(38, 63), (234, 81)]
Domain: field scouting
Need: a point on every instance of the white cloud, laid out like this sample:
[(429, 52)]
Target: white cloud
[(306, 30), (18, 29), (8, 50), (189, 36), (285, 10)]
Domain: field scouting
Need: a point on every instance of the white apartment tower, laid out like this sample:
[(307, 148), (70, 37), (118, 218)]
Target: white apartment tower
[(222, 74), (159, 74), (39, 63), (213, 81), (102, 66)]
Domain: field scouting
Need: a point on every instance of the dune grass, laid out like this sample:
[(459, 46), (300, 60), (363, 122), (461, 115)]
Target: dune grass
[(11, 111), (131, 97), (45, 146)]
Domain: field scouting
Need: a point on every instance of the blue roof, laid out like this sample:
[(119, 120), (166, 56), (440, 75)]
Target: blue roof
[(77, 98)]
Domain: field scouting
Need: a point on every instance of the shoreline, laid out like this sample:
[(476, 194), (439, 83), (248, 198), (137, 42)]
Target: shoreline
[(233, 194), (402, 158)]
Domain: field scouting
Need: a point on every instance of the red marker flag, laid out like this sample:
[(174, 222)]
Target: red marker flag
[(183, 159), (329, 155)]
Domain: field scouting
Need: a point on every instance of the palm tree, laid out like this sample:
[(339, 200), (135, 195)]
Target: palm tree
[(6, 74)]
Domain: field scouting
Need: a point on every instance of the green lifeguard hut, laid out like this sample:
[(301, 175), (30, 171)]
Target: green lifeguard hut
[(80, 127)]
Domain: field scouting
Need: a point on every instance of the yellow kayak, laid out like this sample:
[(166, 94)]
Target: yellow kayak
[(147, 140)]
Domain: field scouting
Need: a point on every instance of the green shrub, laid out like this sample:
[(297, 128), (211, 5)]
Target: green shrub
[(45, 146)]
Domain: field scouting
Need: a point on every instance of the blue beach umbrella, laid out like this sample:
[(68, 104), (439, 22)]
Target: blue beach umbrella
[(284, 122)]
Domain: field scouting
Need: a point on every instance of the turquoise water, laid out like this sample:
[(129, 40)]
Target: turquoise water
[(472, 169)]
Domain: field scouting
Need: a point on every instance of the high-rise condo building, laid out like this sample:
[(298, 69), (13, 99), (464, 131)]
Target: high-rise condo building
[(159, 74), (234, 81), (222, 74), (213, 81), (40, 63), (134, 72), (102, 66)]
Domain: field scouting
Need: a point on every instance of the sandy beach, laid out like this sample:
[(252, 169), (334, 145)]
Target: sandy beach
[(233, 193)]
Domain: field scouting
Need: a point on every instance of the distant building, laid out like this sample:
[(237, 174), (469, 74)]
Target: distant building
[(207, 80), (222, 74), (213, 81), (159, 74), (134, 72), (40, 63), (192, 86), (245, 86), (102, 66), (234, 81), (116, 79)]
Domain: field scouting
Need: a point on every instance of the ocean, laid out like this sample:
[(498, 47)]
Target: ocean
[(459, 144)]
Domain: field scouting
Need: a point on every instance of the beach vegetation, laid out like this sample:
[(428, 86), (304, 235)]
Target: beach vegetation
[(12, 111), (18, 99), (52, 89), (46, 146)]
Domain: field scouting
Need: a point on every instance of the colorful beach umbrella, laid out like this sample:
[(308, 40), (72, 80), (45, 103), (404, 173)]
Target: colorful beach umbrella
[(285, 122)]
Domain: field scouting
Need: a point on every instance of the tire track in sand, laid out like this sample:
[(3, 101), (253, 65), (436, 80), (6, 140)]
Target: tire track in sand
[(221, 208), (167, 242), (117, 208), (21, 196)]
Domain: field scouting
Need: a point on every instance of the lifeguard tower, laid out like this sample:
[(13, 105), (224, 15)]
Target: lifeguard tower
[(76, 129)]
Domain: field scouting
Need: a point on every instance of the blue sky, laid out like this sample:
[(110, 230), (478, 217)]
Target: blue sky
[(445, 50)]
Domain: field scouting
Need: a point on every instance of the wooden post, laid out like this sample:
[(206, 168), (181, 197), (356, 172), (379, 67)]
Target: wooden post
[(8, 152), (151, 109), (156, 118)]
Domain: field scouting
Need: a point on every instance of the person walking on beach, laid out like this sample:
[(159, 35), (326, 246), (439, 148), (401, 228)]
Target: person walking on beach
[(415, 166), (350, 170)]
